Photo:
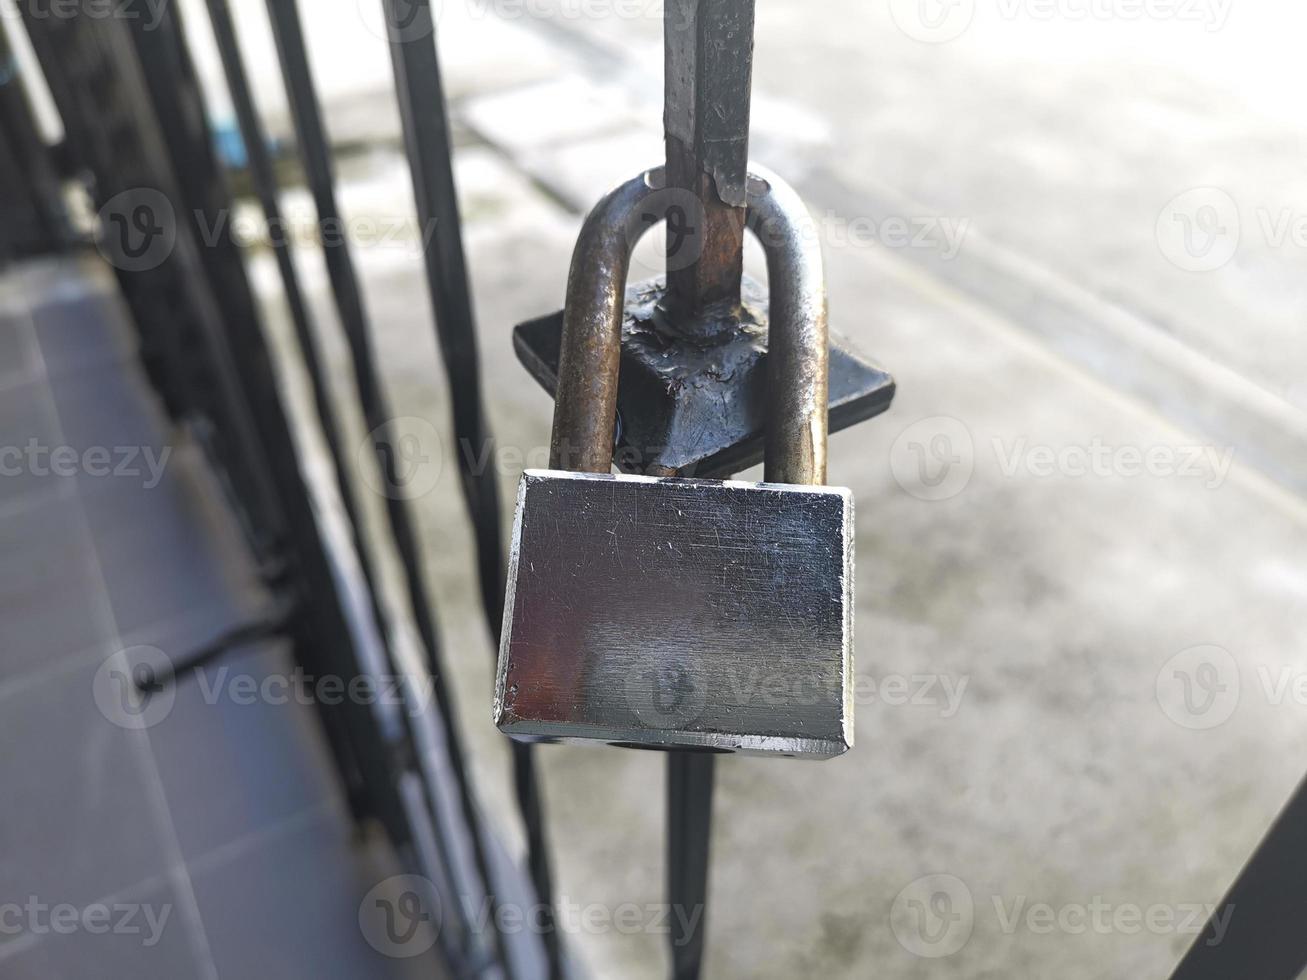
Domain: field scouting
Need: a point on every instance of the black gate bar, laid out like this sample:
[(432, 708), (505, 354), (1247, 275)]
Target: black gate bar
[(315, 154), (113, 132), (421, 96), (264, 180), (708, 78), (29, 191)]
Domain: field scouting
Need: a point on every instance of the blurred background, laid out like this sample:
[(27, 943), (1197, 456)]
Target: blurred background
[(1076, 233)]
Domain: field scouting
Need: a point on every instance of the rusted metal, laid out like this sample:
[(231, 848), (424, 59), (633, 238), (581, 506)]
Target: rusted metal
[(694, 410), (798, 360), (586, 404), (708, 76), (797, 393)]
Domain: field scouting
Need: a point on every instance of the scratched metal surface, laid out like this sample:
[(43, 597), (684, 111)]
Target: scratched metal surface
[(679, 613)]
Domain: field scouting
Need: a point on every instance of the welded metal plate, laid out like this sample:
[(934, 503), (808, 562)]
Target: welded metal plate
[(670, 613), (694, 409)]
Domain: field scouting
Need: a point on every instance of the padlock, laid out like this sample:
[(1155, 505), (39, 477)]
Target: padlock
[(670, 613)]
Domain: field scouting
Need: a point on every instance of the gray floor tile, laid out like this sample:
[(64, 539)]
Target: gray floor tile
[(160, 559), (289, 908), (147, 939), (81, 332), (17, 358), (28, 434), (79, 822), (108, 410), (233, 763), (51, 602)]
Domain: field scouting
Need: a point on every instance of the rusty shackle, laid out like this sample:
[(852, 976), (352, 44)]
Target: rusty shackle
[(798, 359)]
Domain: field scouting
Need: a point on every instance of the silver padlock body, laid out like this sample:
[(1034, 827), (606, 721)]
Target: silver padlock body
[(671, 613)]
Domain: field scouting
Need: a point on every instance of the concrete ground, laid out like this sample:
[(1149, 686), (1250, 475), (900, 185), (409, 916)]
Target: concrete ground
[(1080, 588)]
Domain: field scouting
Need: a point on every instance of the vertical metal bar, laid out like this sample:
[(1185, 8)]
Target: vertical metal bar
[(201, 196), (263, 176), (113, 121), (586, 400), (798, 378), (63, 52), (315, 153), (798, 348), (689, 833), (34, 219), (175, 96), (264, 180), (708, 75), (420, 92)]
